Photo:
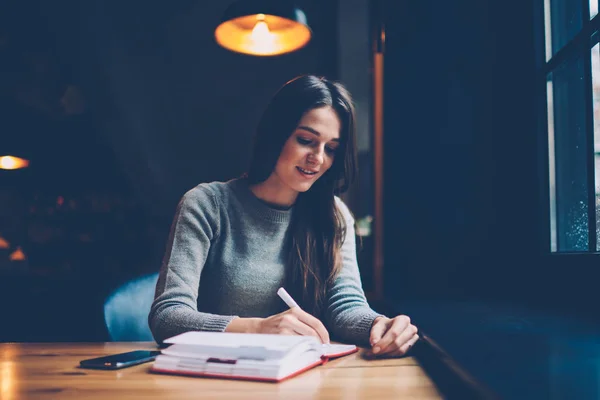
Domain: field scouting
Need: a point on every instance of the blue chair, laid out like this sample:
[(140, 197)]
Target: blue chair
[(126, 310)]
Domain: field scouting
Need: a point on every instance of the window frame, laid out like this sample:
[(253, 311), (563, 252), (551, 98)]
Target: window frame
[(579, 46)]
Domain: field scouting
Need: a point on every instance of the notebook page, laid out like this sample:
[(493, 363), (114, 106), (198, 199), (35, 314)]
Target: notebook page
[(228, 339)]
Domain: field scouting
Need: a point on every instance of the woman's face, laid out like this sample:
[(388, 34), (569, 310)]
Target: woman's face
[(310, 150)]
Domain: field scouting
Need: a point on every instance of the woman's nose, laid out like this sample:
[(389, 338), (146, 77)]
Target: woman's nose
[(316, 157)]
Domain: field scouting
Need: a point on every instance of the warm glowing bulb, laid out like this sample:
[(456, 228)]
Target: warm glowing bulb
[(7, 162), (10, 162), (261, 34)]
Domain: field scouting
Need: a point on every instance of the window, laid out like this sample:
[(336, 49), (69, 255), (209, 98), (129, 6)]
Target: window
[(569, 67)]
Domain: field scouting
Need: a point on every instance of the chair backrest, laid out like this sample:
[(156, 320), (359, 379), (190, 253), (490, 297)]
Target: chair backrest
[(126, 310)]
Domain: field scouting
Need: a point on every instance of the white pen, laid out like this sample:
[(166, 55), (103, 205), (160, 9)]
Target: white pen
[(285, 296)]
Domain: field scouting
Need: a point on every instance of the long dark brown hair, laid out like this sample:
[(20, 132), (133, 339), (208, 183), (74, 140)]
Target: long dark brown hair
[(318, 228)]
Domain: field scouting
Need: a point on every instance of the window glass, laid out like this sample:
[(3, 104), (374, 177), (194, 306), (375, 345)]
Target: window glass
[(568, 155), (563, 20)]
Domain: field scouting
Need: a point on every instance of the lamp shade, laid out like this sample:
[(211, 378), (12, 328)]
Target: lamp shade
[(263, 28)]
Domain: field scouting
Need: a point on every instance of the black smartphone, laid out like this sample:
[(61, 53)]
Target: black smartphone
[(121, 360)]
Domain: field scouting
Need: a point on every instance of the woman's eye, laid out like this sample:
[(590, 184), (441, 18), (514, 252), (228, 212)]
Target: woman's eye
[(302, 140), (330, 150)]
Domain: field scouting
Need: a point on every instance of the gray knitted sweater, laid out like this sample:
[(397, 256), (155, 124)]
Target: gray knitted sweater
[(225, 257)]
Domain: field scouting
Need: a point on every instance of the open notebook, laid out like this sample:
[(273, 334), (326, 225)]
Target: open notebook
[(245, 356)]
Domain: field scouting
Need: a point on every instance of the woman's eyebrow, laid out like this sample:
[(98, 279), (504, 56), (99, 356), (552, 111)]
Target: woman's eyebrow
[(313, 131)]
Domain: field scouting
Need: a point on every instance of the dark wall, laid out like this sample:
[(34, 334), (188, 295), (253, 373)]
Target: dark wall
[(172, 106), (462, 189), (177, 108), (157, 107)]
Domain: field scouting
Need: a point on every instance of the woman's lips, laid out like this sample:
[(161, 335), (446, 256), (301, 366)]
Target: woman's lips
[(307, 173)]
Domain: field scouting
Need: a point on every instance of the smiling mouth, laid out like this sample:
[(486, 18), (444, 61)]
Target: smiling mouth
[(306, 172)]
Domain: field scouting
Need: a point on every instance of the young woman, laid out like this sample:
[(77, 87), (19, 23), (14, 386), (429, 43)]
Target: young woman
[(233, 244)]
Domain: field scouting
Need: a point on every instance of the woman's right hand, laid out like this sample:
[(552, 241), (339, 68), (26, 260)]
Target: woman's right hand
[(294, 321)]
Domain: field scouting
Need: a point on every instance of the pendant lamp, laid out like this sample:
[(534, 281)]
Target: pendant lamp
[(12, 162), (263, 28)]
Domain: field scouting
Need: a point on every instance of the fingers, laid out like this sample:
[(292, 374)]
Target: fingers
[(312, 322), (378, 329), (395, 329), (289, 324), (297, 327), (295, 321), (410, 343), (399, 333), (405, 348), (403, 342)]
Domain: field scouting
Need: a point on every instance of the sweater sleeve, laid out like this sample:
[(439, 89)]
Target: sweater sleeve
[(348, 315), (175, 309)]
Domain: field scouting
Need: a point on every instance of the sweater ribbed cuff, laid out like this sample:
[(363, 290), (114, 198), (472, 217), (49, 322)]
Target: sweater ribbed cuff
[(217, 323), (363, 327)]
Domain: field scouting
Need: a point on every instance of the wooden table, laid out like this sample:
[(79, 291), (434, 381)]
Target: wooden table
[(51, 371)]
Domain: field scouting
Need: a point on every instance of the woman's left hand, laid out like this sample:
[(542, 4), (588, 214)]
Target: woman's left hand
[(392, 337)]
